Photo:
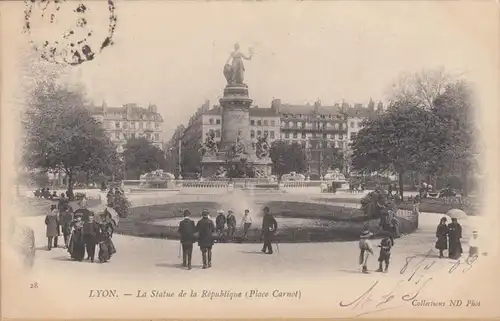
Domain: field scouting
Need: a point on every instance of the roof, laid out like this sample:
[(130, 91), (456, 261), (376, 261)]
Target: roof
[(361, 112), (135, 112), (317, 109)]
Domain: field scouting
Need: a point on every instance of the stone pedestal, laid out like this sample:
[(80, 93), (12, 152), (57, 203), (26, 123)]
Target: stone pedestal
[(235, 127)]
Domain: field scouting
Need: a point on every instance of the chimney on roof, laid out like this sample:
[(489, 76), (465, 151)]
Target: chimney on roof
[(128, 110), (317, 104), (371, 105), (344, 107), (275, 104), (152, 108), (380, 106)]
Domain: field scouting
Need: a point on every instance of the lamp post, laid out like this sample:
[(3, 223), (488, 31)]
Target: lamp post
[(180, 159)]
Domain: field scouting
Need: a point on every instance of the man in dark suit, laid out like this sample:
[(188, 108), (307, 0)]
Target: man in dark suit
[(269, 227), (187, 229), (90, 236), (205, 228)]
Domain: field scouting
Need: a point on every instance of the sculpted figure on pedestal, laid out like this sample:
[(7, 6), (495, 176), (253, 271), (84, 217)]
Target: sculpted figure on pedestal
[(239, 147), (234, 70), (262, 147), (209, 147)]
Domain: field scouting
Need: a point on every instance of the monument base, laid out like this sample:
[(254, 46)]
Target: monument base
[(211, 165)]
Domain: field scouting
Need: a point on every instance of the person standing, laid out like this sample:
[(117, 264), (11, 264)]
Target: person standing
[(205, 229), (52, 227), (442, 237), (385, 253), (90, 237), (61, 204), (187, 229), (65, 219), (220, 224), (365, 250), (454, 234), (76, 246), (231, 223), (246, 223), (83, 202), (106, 246), (269, 227)]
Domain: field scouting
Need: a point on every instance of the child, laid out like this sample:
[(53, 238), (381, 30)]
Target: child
[(385, 253), (366, 250)]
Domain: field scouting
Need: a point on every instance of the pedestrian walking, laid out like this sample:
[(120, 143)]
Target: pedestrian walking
[(65, 219), (385, 253), (246, 222), (91, 236), (365, 250), (442, 237), (187, 230), (52, 227), (269, 228), (205, 229), (231, 223), (454, 236), (220, 224)]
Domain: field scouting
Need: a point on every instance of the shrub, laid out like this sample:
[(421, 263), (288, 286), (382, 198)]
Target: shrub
[(121, 205)]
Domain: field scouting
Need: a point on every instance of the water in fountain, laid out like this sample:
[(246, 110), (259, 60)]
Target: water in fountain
[(238, 201)]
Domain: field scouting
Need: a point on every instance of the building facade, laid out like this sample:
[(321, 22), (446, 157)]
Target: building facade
[(130, 121)]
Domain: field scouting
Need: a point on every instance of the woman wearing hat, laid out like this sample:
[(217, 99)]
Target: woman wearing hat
[(455, 234), (76, 246), (442, 237), (365, 249)]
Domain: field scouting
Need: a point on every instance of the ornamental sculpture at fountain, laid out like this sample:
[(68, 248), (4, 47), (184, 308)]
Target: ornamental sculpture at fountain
[(236, 148)]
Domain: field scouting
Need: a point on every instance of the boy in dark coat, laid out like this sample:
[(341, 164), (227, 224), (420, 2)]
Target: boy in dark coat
[(385, 252), (205, 229), (269, 227), (187, 229)]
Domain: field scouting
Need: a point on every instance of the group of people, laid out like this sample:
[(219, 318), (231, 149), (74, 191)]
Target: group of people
[(45, 193), (205, 232), (448, 238), (230, 220), (366, 250), (80, 234)]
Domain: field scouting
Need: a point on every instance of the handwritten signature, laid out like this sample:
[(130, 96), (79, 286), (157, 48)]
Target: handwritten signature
[(407, 289)]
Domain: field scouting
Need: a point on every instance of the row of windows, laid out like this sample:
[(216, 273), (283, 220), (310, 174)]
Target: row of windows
[(132, 135), (271, 133), (132, 125), (323, 125), (339, 117), (354, 124), (313, 145), (324, 136), (252, 122)]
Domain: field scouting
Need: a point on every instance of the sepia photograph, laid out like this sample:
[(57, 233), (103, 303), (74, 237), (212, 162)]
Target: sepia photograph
[(249, 159)]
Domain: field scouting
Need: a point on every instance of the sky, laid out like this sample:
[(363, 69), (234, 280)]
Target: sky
[(172, 53)]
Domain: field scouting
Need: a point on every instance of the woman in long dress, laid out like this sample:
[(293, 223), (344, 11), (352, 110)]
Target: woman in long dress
[(106, 246), (237, 64), (442, 237), (76, 246)]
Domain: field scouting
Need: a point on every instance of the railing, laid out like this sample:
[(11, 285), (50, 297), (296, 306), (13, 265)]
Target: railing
[(302, 184)]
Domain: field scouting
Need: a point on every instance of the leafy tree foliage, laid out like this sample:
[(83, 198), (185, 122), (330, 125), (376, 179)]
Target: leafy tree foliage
[(190, 160), (60, 134), (287, 158), (141, 157), (332, 158)]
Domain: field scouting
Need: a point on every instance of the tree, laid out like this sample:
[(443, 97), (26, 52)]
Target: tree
[(394, 140), (141, 156), (190, 159), (61, 134), (456, 131), (287, 158), (332, 157)]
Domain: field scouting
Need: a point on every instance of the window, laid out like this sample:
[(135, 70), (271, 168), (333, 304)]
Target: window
[(303, 135), (117, 135), (252, 122), (117, 124), (259, 123), (341, 127), (333, 136), (324, 136), (148, 125), (294, 135), (259, 133), (211, 121), (265, 122), (217, 121), (287, 135), (324, 125), (125, 125), (352, 124), (133, 135), (252, 133), (295, 124), (266, 132), (157, 137), (140, 125), (271, 134), (217, 133), (132, 124), (273, 123), (336, 126), (303, 125), (157, 125)]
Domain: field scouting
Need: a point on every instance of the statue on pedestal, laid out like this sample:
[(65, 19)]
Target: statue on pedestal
[(239, 148), (262, 147), (234, 69), (209, 147)]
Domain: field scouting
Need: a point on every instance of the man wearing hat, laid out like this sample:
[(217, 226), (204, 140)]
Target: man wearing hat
[(365, 249), (205, 228), (220, 223), (269, 227), (246, 223), (231, 223), (187, 229), (90, 236), (454, 234)]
